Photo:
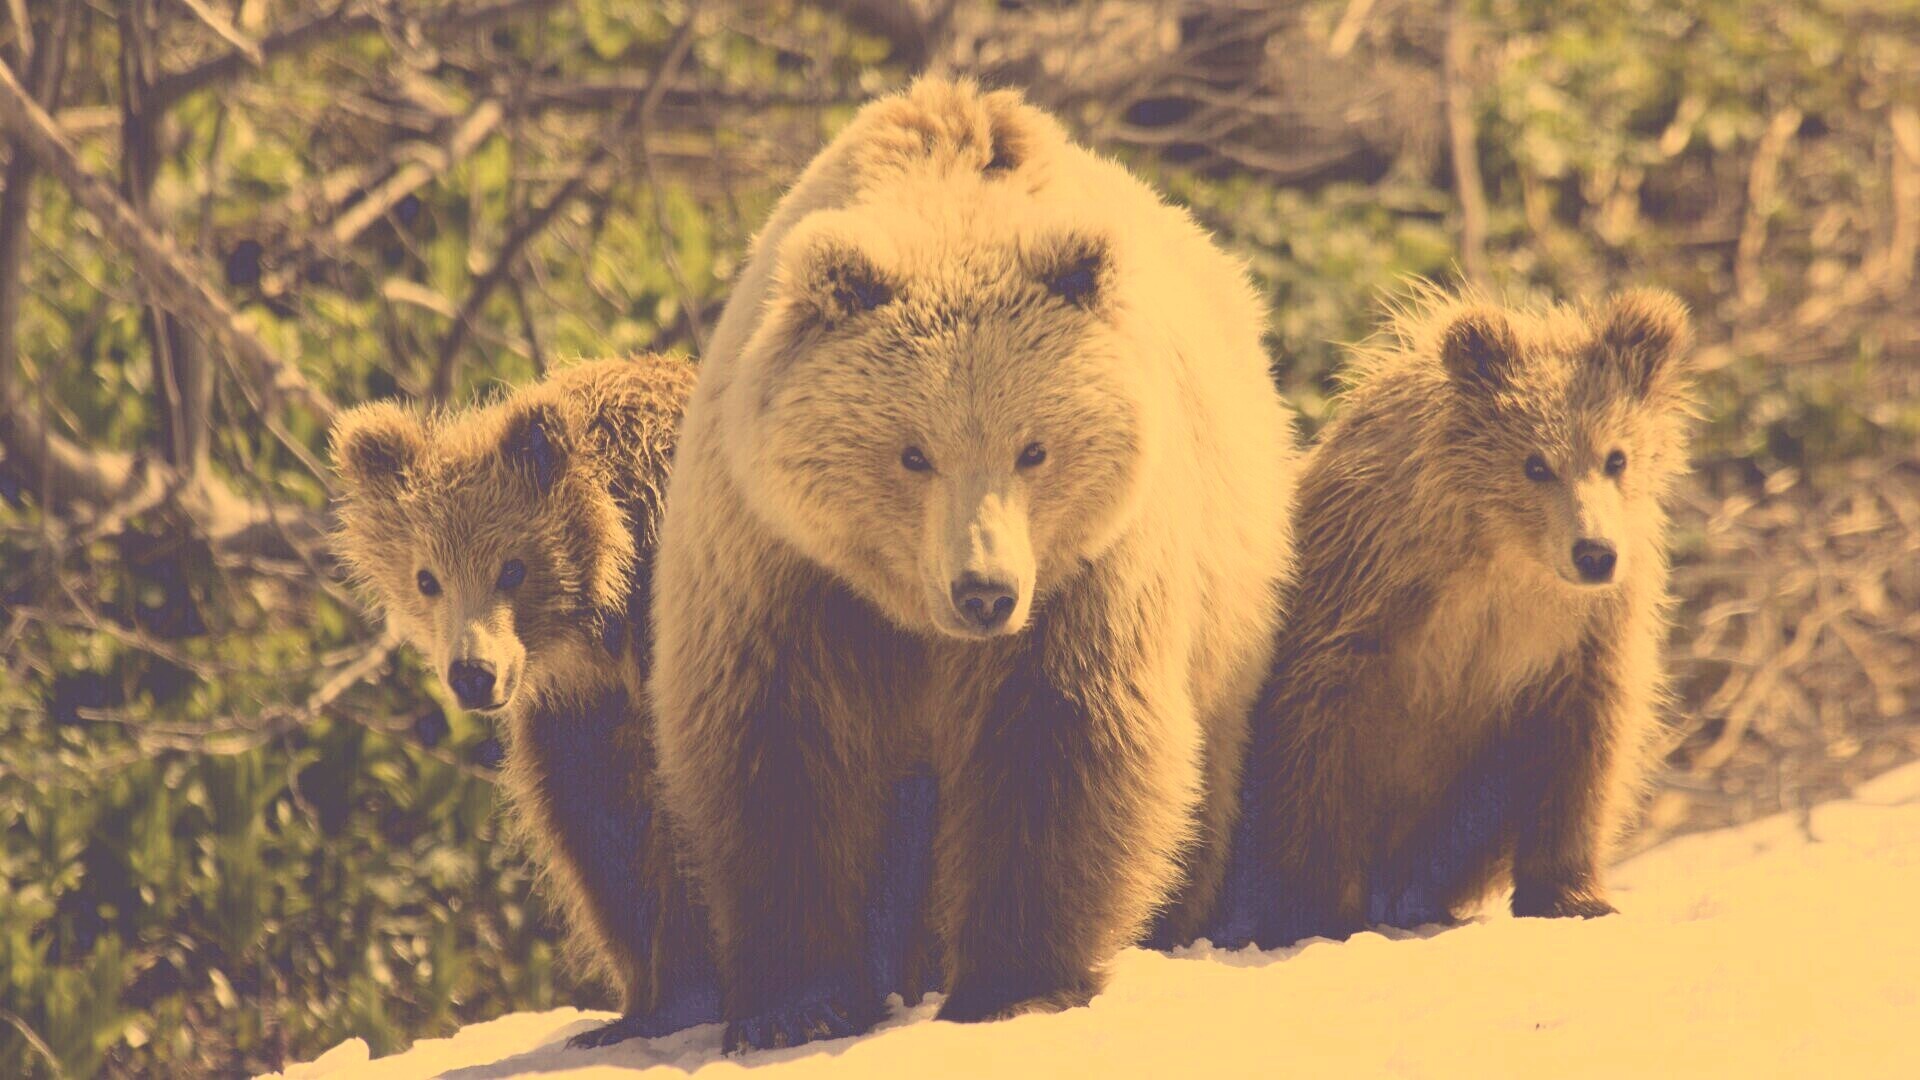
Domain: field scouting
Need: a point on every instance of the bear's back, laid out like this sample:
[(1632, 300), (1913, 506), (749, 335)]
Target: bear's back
[(627, 413)]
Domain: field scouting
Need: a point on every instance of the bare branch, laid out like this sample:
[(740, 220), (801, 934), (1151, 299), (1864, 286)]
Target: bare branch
[(223, 26), (1903, 241), (33, 1037), (342, 21), (169, 274), (1464, 147), (23, 25), (1348, 31), (1762, 181), (428, 162), (637, 116)]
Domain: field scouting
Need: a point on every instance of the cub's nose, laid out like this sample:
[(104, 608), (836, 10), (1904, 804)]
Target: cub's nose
[(1594, 559), (471, 682), (982, 603)]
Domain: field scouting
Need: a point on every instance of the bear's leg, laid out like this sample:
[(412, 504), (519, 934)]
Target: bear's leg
[(1065, 817), (773, 720), (897, 940), (1302, 869), (671, 982), (1454, 854), (1563, 755), (592, 774)]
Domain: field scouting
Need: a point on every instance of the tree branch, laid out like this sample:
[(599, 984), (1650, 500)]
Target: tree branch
[(166, 272), (428, 162), (245, 46), (1463, 142), (1763, 179), (341, 21), (637, 116)]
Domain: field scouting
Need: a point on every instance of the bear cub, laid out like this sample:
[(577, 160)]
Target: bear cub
[(1469, 674), (512, 544)]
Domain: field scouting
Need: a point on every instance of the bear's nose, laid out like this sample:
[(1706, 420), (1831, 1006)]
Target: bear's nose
[(1594, 559), (983, 603), (471, 682)]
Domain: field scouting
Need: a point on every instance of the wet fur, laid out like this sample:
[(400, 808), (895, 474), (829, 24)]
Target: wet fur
[(1446, 714), (1087, 764), (456, 492)]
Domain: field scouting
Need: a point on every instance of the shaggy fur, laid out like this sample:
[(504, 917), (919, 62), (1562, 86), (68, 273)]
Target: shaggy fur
[(1452, 705), (966, 353), (567, 477)]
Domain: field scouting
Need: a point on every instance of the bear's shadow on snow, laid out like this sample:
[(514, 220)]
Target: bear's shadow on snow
[(697, 1047), (684, 1051)]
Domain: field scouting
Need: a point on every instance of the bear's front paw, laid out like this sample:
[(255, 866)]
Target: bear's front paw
[(976, 1001), (618, 1031), (825, 1012), (1559, 903), (697, 1002)]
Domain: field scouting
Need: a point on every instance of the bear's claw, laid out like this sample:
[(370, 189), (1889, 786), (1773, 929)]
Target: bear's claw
[(829, 1015), (978, 1003), (1559, 904), (619, 1031)]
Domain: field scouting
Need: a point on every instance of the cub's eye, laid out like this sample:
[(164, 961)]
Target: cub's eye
[(1616, 463), (1537, 470), (429, 585), (1033, 455), (511, 575), (915, 460)]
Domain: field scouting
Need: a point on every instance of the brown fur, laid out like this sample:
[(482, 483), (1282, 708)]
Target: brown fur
[(569, 477), (951, 274), (1435, 629)]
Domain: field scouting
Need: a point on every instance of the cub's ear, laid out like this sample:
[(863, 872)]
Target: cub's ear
[(537, 443), (830, 277), (1076, 267), (376, 446), (1645, 334), (1479, 349)]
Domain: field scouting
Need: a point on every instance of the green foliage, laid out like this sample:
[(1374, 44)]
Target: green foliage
[(193, 883)]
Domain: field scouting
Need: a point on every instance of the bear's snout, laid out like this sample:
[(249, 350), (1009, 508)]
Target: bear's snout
[(472, 683), (983, 603), (1595, 560)]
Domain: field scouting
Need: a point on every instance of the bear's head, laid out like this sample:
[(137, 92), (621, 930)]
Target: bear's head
[(1569, 428), (946, 409), (485, 539)]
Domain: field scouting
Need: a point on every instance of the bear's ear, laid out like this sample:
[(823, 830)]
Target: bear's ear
[(1479, 349), (537, 443), (376, 446), (1645, 335), (1077, 268), (833, 278)]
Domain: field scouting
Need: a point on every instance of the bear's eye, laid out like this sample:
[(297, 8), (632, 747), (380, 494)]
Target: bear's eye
[(1616, 463), (1537, 470), (511, 575), (1033, 455), (915, 460), (429, 585)]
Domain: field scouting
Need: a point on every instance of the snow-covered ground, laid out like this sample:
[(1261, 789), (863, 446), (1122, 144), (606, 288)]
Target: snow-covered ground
[(1775, 949)]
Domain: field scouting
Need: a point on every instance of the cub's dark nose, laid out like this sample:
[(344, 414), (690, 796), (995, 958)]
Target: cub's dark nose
[(982, 603), (471, 682), (1594, 559)]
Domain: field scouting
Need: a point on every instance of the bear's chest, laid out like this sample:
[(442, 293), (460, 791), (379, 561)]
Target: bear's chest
[(1487, 638)]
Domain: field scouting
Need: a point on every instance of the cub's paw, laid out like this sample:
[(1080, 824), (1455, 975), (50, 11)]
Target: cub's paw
[(619, 1031), (820, 1013), (976, 1001), (697, 1003), (1553, 903)]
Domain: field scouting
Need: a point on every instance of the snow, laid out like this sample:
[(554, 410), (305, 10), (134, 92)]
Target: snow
[(1785, 947)]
